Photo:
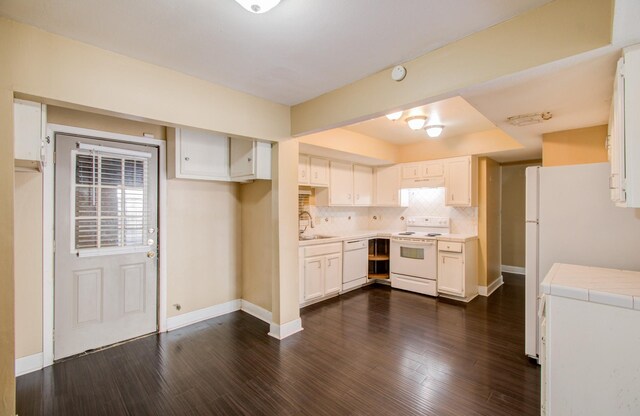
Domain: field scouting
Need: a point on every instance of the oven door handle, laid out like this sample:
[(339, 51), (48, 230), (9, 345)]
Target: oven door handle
[(413, 242)]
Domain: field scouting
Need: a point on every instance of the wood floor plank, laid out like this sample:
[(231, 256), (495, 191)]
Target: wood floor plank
[(372, 351)]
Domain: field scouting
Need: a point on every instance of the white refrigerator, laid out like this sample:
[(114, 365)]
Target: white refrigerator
[(570, 218)]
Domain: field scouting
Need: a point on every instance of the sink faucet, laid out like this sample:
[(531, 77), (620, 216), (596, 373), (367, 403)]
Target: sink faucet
[(300, 217)]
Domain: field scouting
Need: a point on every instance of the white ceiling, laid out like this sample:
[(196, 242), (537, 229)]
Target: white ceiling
[(295, 52), (457, 115)]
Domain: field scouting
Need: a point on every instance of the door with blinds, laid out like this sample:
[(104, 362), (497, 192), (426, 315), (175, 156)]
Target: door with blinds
[(106, 235)]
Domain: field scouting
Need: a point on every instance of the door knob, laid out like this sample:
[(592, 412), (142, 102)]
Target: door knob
[(151, 254)]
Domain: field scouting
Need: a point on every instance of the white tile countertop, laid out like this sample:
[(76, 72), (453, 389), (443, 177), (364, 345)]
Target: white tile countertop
[(353, 235), (594, 284)]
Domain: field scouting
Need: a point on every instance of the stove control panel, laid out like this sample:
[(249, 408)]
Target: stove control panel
[(432, 222)]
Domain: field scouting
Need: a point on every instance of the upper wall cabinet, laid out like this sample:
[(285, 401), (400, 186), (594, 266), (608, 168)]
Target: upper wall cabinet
[(422, 174), (197, 154), (249, 159), (387, 192), (362, 185), (349, 185), (313, 171), (460, 181), (341, 183), (29, 124), (624, 131)]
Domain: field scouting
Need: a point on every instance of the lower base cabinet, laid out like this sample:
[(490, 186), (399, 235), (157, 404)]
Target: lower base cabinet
[(457, 271), (320, 272)]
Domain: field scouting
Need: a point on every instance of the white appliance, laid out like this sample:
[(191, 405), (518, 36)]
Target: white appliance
[(414, 256), (571, 219), (355, 263)]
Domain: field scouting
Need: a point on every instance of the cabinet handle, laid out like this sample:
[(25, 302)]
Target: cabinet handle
[(186, 158), (329, 263), (248, 159)]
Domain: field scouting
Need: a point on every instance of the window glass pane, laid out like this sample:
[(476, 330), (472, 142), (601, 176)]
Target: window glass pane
[(86, 201), (134, 173), (111, 171), (86, 233), (86, 169)]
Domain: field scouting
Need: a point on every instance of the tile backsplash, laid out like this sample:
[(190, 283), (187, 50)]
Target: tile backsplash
[(422, 202)]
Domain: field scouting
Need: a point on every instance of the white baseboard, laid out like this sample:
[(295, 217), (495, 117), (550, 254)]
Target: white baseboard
[(488, 290), (193, 317), (512, 269), (29, 364), (285, 330), (257, 311)]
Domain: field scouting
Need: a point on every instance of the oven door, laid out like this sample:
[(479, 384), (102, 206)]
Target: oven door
[(413, 258)]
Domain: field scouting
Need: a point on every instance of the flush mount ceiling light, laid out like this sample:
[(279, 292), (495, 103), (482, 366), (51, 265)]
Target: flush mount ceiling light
[(527, 119), (416, 122), (434, 130), (394, 116), (258, 6)]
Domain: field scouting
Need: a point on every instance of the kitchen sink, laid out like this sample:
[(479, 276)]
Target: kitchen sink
[(313, 237)]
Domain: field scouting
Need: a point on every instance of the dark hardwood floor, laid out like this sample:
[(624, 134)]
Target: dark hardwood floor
[(374, 351)]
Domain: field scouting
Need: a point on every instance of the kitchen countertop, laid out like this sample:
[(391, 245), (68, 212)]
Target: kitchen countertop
[(594, 284), (353, 235)]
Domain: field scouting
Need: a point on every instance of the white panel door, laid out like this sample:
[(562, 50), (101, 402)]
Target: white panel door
[(458, 188), (313, 278), (450, 273), (362, 185), (341, 186), (333, 274), (106, 243)]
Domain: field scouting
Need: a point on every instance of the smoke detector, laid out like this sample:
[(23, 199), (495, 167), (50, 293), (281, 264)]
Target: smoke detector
[(527, 119)]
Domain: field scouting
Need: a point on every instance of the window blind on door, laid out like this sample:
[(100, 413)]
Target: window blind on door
[(110, 191)]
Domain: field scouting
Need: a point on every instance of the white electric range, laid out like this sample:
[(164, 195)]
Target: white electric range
[(413, 257)]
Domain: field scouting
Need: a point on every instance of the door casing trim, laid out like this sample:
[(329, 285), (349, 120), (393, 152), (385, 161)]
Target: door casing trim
[(48, 223)]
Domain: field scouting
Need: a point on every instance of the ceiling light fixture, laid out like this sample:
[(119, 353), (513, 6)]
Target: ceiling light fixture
[(416, 122), (258, 6), (394, 116), (434, 130)]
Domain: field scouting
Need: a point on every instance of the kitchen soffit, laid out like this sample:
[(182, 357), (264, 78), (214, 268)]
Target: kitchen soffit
[(297, 51)]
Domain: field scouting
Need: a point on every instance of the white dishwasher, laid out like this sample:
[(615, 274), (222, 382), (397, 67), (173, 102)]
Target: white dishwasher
[(355, 263)]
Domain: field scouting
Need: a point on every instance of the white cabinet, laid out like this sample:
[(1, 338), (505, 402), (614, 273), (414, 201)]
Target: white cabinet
[(460, 181), (313, 171), (624, 131), (249, 159), (457, 270), (29, 124), (422, 175), (340, 185), (318, 172), (303, 170), (197, 154), (362, 185), (387, 191), (321, 272)]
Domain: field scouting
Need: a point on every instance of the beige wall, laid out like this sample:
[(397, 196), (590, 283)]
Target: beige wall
[(203, 251), (468, 144), (60, 70), (573, 147), (355, 143), (257, 229), (28, 263), (7, 340), (560, 29), (488, 221), (513, 213)]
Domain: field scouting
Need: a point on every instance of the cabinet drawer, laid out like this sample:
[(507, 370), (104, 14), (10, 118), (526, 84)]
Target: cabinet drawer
[(450, 246), (322, 249), (414, 284)]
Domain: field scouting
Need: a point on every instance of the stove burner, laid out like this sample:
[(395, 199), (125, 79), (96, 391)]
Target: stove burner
[(407, 233), (433, 234)]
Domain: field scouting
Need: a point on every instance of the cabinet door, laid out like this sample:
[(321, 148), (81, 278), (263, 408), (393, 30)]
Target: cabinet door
[(313, 277), (341, 186), (204, 155), (457, 182), (387, 186), (362, 185), (450, 273), (411, 171), (27, 130), (243, 158), (303, 170), (319, 171), (429, 170), (333, 274)]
